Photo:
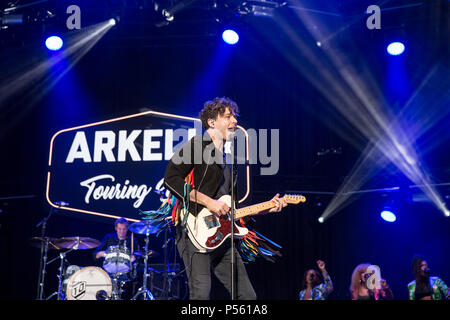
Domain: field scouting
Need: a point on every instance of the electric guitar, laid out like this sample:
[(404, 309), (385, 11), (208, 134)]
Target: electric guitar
[(207, 231)]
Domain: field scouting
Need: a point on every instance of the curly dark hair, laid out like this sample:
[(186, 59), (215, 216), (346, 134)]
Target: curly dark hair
[(319, 278), (218, 106)]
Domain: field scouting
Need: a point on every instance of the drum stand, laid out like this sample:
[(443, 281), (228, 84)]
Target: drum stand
[(115, 294), (116, 289), (169, 275), (60, 294), (143, 290), (42, 269)]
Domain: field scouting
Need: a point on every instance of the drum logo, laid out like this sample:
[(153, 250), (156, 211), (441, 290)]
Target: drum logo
[(79, 290)]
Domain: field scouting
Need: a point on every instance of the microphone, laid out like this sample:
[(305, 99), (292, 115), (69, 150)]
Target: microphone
[(161, 193), (101, 295), (61, 203), (427, 271)]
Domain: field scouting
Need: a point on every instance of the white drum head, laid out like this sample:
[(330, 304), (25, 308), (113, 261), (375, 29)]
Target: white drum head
[(87, 282)]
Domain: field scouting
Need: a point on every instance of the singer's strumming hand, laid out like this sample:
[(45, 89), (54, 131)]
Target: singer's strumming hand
[(219, 208)]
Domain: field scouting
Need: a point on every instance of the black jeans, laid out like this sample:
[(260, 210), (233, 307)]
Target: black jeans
[(199, 265)]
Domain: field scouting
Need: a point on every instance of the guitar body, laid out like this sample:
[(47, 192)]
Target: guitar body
[(207, 231)]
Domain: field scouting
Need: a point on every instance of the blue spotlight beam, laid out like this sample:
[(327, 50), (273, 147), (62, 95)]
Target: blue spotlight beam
[(358, 98), (36, 80)]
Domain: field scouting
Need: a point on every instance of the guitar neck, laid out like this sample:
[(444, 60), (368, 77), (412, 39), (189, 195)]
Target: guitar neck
[(253, 209)]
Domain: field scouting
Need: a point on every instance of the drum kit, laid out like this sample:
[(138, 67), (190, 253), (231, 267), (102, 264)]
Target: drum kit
[(91, 282)]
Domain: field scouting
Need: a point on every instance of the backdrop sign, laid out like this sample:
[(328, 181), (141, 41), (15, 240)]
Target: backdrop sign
[(114, 168)]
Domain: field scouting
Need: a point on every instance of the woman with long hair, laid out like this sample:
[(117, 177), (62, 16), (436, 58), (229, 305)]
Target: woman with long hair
[(425, 287), (359, 289), (314, 285)]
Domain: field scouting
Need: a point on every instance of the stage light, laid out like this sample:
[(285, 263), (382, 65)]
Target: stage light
[(395, 48), (8, 19), (54, 43), (321, 219), (447, 212), (388, 215), (112, 21), (230, 36), (167, 15)]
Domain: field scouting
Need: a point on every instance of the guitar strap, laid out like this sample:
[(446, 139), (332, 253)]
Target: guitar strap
[(187, 190), (186, 198)]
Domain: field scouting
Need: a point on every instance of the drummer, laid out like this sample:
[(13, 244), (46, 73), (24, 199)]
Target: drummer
[(119, 238)]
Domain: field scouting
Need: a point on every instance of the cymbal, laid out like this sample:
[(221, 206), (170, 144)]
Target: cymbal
[(151, 253), (77, 243), (143, 227), (39, 242)]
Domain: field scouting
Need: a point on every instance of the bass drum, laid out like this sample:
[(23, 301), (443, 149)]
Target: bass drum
[(68, 273), (89, 283)]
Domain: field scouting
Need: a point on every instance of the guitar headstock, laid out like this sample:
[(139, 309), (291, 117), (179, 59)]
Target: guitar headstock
[(294, 198)]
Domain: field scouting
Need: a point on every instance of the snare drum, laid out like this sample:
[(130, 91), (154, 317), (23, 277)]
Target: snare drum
[(89, 283), (117, 259)]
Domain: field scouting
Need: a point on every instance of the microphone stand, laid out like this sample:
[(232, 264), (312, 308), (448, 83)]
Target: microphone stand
[(166, 264), (44, 249), (233, 294)]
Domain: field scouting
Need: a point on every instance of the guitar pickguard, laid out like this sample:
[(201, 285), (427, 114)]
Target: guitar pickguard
[(223, 230)]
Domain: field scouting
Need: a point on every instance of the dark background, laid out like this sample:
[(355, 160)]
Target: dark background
[(176, 69)]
